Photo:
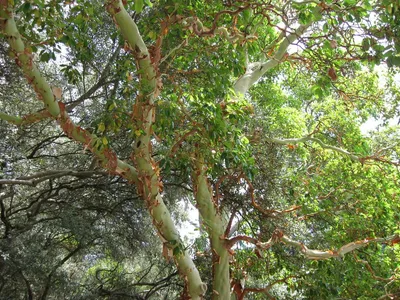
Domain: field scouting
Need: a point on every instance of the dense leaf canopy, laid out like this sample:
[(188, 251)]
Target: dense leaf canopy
[(277, 121)]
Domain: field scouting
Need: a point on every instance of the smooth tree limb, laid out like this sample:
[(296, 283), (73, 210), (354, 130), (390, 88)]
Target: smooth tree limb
[(24, 59), (143, 171), (147, 183), (319, 254), (215, 224), (315, 140), (27, 119), (255, 70), (34, 179), (279, 237), (362, 159)]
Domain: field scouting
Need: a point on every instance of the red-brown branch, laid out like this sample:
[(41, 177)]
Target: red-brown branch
[(229, 226), (279, 236), (267, 212), (369, 268), (231, 242), (181, 140), (211, 31), (266, 289)]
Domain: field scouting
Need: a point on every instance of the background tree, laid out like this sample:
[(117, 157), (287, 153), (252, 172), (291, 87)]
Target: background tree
[(251, 110)]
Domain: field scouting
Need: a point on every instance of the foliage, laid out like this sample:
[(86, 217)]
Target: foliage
[(253, 111)]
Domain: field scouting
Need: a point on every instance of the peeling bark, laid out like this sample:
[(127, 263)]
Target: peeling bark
[(278, 236), (215, 225), (24, 59), (149, 183), (254, 71), (146, 173)]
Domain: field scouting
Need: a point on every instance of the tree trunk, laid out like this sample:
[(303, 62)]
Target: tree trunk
[(215, 225)]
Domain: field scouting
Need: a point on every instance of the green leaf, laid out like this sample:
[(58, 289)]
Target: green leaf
[(350, 2), (393, 61), (365, 44), (148, 2), (325, 27), (152, 35), (45, 57), (317, 13), (247, 14), (112, 106), (101, 127), (26, 7), (138, 6)]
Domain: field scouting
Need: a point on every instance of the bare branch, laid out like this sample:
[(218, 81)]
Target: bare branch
[(278, 236), (362, 159), (27, 119), (34, 179), (245, 238), (318, 254), (255, 71), (266, 289), (318, 141), (369, 268), (172, 51), (52, 272), (102, 80)]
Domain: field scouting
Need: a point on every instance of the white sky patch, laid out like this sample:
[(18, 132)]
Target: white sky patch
[(189, 228), (369, 126), (373, 124)]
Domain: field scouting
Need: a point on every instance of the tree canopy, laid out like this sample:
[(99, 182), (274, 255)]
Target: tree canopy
[(117, 116)]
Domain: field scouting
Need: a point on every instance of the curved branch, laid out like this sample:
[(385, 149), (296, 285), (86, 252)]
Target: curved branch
[(279, 236), (315, 140), (255, 71), (318, 254), (369, 268), (232, 241), (34, 179), (52, 272), (266, 289), (102, 80), (24, 59), (27, 119), (149, 182), (200, 30)]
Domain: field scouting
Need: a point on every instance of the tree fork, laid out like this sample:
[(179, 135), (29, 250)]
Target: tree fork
[(158, 210), (149, 183), (215, 225)]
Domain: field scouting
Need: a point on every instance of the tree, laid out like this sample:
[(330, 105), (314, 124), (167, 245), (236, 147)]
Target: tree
[(250, 108)]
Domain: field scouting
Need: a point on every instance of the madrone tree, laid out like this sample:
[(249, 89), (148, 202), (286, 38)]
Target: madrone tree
[(251, 109)]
